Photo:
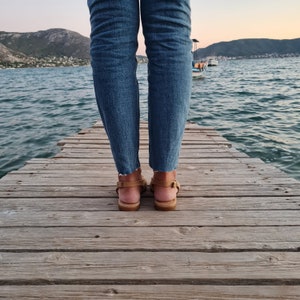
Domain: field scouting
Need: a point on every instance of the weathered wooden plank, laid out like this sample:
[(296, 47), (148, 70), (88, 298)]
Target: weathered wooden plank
[(220, 173), (144, 129), (69, 178), (195, 175), (108, 170), (229, 160), (192, 203), (144, 124), (195, 147), (91, 181), (194, 133), (150, 267), (196, 138), (186, 153), (148, 218), (144, 143), (75, 191), (210, 239), (144, 132), (151, 292), (46, 163)]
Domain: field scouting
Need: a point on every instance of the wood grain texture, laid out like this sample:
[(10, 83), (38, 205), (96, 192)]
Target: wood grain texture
[(235, 233)]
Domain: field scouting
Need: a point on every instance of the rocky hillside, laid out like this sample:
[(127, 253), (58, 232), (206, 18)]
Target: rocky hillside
[(43, 48), (10, 55), (249, 48), (61, 47)]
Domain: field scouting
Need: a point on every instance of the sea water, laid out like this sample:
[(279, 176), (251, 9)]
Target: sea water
[(254, 103)]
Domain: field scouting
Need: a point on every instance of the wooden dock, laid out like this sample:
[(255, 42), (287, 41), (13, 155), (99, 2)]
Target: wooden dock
[(234, 235)]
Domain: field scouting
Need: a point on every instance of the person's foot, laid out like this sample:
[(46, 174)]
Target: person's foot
[(129, 188), (165, 188)]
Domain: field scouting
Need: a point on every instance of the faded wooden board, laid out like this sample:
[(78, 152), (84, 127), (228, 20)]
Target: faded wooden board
[(75, 191), (95, 141), (100, 161), (109, 203), (148, 218), (192, 238), (184, 154), (71, 179), (151, 292), (150, 267)]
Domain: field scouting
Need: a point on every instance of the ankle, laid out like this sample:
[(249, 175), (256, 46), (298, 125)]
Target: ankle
[(164, 176), (134, 176)]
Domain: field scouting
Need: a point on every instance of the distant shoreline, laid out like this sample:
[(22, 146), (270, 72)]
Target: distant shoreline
[(59, 47), (45, 62), (53, 62)]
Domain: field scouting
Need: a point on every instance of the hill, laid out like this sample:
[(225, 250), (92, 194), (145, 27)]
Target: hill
[(61, 47), (10, 55), (43, 48), (247, 48)]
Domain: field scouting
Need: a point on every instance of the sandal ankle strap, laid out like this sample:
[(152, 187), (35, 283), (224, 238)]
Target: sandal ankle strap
[(125, 184), (172, 184)]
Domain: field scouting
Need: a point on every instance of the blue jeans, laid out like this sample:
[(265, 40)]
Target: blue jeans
[(166, 28)]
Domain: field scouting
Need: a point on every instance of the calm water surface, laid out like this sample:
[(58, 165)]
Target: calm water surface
[(253, 103)]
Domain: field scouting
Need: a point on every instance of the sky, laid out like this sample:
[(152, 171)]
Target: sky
[(213, 21)]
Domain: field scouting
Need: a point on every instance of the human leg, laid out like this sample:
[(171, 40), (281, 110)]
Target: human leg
[(114, 28), (166, 27)]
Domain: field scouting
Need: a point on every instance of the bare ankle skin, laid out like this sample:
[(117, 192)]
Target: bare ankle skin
[(165, 176)]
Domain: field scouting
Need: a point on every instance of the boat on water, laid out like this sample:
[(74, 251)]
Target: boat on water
[(199, 67), (212, 62), (198, 71)]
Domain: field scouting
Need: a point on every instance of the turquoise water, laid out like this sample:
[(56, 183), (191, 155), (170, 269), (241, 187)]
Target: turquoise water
[(253, 103)]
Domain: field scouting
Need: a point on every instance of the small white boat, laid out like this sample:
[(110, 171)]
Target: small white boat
[(198, 70), (212, 62), (197, 74), (199, 67)]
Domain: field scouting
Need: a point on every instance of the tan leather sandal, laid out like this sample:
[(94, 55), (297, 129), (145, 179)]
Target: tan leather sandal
[(165, 205), (126, 184)]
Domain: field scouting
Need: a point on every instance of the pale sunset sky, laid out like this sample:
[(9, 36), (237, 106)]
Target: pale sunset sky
[(212, 20)]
